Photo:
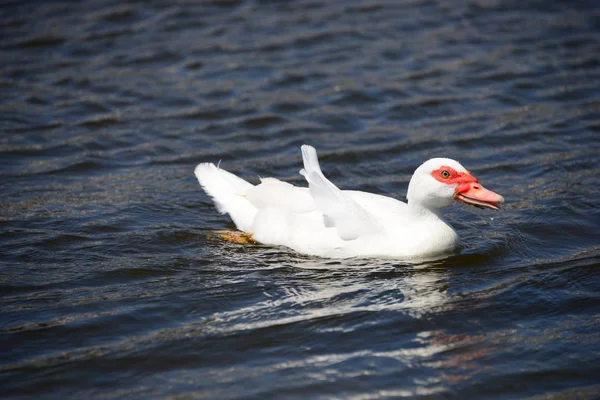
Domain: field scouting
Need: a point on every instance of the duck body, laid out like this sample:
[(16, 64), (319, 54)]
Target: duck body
[(394, 236), (325, 221)]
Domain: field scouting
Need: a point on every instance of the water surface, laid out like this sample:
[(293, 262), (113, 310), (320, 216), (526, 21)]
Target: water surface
[(113, 284)]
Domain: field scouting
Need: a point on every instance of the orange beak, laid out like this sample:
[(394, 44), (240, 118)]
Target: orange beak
[(475, 194)]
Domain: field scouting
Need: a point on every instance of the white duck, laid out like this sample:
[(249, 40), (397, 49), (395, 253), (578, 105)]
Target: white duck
[(325, 221)]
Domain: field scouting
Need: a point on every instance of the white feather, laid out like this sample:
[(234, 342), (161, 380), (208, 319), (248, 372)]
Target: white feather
[(228, 192), (338, 209), (326, 221)]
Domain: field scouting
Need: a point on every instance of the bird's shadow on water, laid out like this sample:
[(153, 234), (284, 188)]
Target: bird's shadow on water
[(313, 287)]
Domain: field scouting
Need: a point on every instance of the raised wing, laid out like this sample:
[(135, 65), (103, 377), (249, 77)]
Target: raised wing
[(339, 210)]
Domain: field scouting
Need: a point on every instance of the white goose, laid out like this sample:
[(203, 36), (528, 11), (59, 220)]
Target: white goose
[(325, 221)]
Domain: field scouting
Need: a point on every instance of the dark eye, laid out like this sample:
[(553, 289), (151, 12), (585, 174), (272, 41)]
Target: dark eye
[(445, 174)]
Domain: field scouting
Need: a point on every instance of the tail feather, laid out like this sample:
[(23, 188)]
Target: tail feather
[(228, 193)]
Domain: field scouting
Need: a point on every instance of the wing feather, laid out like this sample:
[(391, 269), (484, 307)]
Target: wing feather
[(339, 210)]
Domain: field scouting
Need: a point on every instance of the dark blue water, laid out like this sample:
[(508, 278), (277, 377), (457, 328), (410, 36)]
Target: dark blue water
[(113, 283)]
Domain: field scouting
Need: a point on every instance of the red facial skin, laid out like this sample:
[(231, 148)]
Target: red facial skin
[(468, 190), (463, 179)]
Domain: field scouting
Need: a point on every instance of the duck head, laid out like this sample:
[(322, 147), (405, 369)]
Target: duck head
[(440, 181)]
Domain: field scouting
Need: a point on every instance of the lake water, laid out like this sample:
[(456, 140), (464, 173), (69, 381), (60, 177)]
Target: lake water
[(113, 283)]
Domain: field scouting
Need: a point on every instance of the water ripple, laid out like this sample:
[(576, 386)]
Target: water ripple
[(115, 284)]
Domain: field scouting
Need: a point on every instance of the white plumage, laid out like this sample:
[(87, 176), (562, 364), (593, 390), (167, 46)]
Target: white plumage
[(325, 221)]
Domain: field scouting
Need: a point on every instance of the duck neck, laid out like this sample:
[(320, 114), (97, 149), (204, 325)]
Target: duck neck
[(420, 210)]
